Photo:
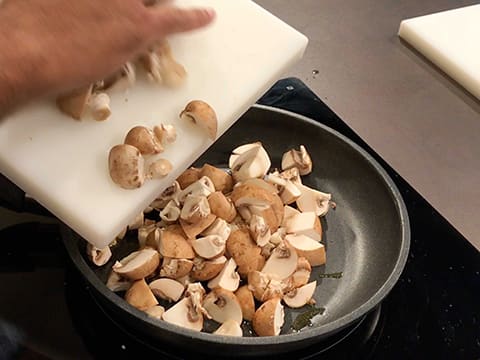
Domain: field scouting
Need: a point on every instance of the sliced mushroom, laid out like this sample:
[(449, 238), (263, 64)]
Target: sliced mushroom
[(223, 305), (138, 264), (308, 248), (204, 270), (253, 163), (188, 177), (175, 268), (98, 256), (144, 140), (282, 262), (245, 252), (314, 201), (174, 245), (229, 328), (210, 246), (117, 283), (156, 311), (165, 134), (300, 296), (269, 318), (195, 208), (306, 223), (99, 104), (75, 103), (221, 179), (203, 115), (259, 230), (193, 229), (182, 314), (167, 289), (219, 227), (247, 302), (159, 168), (196, 293), (126, 166), (227, 279), (140, 296), (265, 286), (222, 206), (299, 159)]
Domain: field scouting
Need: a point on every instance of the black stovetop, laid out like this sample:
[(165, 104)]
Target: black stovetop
[(433, 310)]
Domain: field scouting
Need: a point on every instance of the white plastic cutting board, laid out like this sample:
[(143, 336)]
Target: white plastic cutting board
[(451, 40), (62, 163)]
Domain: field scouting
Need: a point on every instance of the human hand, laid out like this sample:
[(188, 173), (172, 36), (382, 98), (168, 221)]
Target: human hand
[(51, 46)]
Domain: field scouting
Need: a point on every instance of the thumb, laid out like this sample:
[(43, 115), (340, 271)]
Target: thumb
[(169, 19)]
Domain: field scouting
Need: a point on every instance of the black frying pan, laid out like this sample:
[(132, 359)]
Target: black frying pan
[(367, 238)]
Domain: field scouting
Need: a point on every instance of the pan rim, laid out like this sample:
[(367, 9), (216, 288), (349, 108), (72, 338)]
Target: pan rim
[(298, 337)]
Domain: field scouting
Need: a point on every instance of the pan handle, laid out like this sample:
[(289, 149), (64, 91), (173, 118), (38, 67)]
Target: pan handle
[(15, 199)]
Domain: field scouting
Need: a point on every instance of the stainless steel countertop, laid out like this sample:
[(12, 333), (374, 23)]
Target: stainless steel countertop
[(425, 125)]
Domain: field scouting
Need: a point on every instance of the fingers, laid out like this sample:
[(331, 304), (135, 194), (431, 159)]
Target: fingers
[(168, 19)]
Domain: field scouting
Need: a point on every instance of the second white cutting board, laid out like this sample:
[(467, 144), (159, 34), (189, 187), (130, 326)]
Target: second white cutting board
[(62, 163)]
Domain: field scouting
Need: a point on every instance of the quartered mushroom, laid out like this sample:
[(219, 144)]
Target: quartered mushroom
[(143, 232), (176, 268), (290, 193), (315, 201), (126, 166), (202, 114), (156, 311), (229, 328), (240, 150), (247, 301), (144, 140), (159, 168), (98, 256), (188, 177), (223, 305), (201, 187), (192, 230), (138, 264), (308, 248), (204, 270), (219, 227), (245, 252), (301, 296), (305, 223), (301, 275), (269, 318), (265, 286), (195, 208), (165, 133), (183, 314), (259, 230), (222, 206), (299, 159), (167, 289), (117, 283), (174, 245), (171, 212), (75, 103), (228, 278), (253, 163), (210, 246), (282, 262), (140, 296), (221, 179), (293, 175)]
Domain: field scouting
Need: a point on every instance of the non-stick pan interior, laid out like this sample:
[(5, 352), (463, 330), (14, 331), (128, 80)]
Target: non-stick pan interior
[(367, 235)]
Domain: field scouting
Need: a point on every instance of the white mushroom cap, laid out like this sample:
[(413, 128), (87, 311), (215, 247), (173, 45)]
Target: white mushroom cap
[(138, 264), (228, 278), (223, 305), (181, 314), (126, 166), (203, 115), (299, 159), (308, 248), (312, 200), (253, 163), (209, 246), (300, 296), (269, 318), (306, 223), (167, 289), (229, 328), (282, 262)]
